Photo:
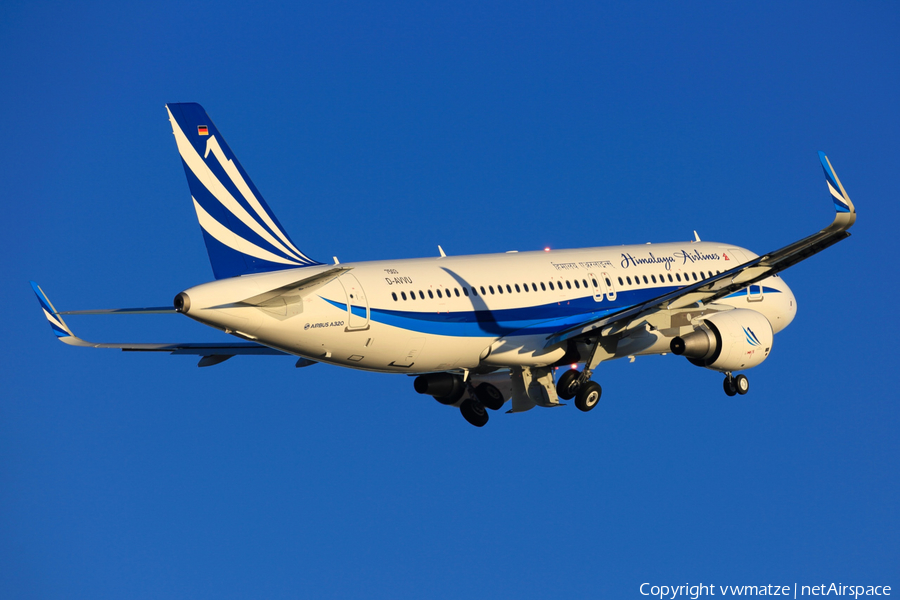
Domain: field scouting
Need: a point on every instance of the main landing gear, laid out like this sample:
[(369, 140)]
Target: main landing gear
[(484, 396), (474, 412), (451, 390), (736, 385), (573, 384)]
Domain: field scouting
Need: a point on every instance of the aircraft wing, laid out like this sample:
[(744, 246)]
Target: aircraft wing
[(711, 289), (211, 353)]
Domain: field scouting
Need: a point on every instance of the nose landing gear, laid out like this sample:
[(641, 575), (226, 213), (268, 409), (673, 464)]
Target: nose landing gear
[(736, 385), (588, 396), (573, 384), (568, 384)]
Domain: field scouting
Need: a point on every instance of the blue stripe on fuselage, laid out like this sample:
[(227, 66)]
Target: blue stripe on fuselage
[(743, 292), (526, 320)]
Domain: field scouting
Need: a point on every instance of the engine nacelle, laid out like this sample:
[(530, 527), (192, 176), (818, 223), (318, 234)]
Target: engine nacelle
[(727, 341), (445, 387)]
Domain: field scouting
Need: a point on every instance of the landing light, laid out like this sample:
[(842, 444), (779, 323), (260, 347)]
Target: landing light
[(573, 366), (547, 249)]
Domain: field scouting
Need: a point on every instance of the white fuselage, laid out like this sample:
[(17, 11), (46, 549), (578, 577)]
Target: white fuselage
[(465, 312)]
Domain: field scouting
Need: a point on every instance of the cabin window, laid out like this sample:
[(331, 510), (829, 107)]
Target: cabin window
[(670, 277), (517, 288), (609, 283), (628, 279), (421, 294), (394, 295), (550, 283), (533, 287), (694, 275), (508, 289), (439, 293), (466, 291), (482, 291), (430, 294), (456, 291), (543, 287), (490, 287), (500, 288), (678, 276), (645, 279), (576, 285), (621, 282), (403, 295), (653, 277), (594, 281), (568, 285)]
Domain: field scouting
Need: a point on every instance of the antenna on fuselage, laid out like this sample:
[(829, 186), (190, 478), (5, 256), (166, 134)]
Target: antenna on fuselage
[(441, 250), (696, 237)]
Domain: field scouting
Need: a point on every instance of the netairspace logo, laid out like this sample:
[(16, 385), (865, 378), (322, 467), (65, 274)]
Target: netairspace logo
[(695, 591)]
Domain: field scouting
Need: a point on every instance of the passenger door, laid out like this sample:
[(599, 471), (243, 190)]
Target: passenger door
[(357, 305)]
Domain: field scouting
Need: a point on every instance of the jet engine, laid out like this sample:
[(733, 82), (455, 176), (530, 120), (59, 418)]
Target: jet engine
[(445, 387), (727, 341)]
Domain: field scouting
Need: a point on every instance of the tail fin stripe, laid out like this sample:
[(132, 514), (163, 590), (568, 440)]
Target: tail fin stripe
[(203, 173), (234, 174), (224, 235)]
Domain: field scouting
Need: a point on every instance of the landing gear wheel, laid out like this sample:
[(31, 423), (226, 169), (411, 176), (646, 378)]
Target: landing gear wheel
[(588, 396), (568, 384), (729, 386), (742, 384), (489, 396), (473, 412)]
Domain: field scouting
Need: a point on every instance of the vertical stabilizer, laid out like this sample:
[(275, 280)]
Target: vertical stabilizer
[(242, 234)]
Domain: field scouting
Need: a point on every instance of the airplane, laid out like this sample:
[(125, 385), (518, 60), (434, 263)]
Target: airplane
[(478, 331)]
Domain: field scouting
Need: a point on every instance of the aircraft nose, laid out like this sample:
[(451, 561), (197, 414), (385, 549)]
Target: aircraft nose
[(790, 311)]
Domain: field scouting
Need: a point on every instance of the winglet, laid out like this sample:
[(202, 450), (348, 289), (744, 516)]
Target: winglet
[(846, 212), (57, 324)]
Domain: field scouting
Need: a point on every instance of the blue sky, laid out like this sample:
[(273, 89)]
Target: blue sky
[(380, 131)]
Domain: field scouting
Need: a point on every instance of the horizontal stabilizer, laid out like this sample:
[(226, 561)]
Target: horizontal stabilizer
[(206, 350), (154, 310)]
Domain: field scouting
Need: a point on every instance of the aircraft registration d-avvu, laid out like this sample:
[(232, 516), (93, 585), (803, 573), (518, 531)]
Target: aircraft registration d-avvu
[(480, 330)]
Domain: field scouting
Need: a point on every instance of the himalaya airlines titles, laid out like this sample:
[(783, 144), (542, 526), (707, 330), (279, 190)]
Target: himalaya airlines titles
[(685, 256)]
